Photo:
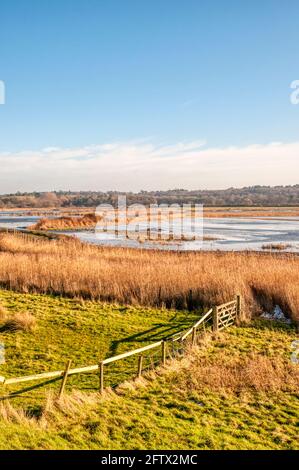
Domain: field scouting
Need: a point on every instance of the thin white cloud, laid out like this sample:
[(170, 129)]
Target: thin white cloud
[(131, 166)]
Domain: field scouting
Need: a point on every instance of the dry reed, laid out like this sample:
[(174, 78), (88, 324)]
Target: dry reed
[(149, 277), (256, 373)]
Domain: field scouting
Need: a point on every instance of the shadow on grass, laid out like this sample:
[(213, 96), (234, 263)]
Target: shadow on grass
[(28, 389), (158, 332), (31, 410)]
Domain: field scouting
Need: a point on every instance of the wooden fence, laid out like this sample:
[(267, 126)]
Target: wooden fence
[(216, 318)]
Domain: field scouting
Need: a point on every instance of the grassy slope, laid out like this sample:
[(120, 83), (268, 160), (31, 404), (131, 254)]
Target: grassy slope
[(84, 332), (193, 404)]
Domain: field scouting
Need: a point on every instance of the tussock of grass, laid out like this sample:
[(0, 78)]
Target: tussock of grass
[(253, 373), (19, 322), (87, 221), (151, 278)]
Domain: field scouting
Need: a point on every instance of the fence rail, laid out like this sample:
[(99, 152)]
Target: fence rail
[(221, 316)]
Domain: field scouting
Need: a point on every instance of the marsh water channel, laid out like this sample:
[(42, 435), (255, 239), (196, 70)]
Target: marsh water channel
[(219, 234)]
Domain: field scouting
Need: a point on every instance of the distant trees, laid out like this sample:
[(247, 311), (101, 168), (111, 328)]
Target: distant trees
[(248, 196), (49, 200)]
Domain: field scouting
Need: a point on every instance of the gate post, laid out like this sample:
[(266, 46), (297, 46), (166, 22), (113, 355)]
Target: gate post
[(239, 306), (215, 318)]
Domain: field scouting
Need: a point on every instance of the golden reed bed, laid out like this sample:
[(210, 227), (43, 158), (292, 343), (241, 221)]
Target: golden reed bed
[(149, 277)]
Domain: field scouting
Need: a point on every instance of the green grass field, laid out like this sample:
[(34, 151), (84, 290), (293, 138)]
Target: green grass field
[(238, 391), (85, 332)]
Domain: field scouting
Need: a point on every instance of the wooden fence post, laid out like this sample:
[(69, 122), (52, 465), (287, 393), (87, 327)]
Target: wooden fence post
[(193, 336), (64, 379), (215, 318), (239, 306), (163, 352), (139, 374), (101, 367)]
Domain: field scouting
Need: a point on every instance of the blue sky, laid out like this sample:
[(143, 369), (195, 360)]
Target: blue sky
[(131, 73)]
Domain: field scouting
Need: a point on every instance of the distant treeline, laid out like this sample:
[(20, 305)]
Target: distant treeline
[(248, 196)]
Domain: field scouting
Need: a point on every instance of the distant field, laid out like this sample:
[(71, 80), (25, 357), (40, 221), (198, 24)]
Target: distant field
[(251, 211), (238, 392), (223, 211)]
